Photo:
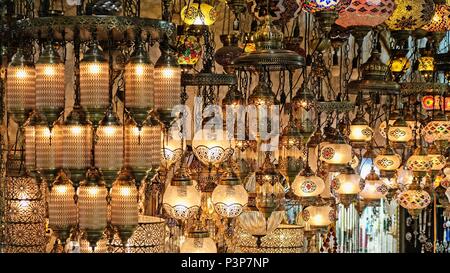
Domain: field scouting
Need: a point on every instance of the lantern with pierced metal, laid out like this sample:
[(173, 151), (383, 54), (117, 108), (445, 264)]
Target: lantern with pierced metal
[(48, 151)]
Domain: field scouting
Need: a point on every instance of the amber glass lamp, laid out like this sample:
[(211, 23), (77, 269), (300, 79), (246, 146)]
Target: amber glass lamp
[(50, 87), (20, 87), (62, 209), (92, 205), (360, 131), (48, 151), (109, 146), (198, 13), (77, 144), (410, 15), (139, 98), (336, 154), (94, 83), (400, 64), (198, 241), (124, 205)]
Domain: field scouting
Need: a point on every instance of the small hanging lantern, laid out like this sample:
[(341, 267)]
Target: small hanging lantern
[(374, 189), (388, 162), (307, 185), (360, 131), (419, 163), (414, 199), (347, 185)]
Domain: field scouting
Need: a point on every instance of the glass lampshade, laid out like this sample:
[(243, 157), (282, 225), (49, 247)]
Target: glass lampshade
[(313, 6), (437, 130), (229, 197), (400, 132), (30, 147), (189, 50), (142, 147), (399, 65), (374, 188), (318, 216), (347, 183), (255, 222), (139, 80), (92, 203), (94, 80), (101, 247), (171, 150), (414, 199), (388, 161), (410, 15), (77, 139), (198, 242), (50, 86), (181, 198), (48, 148), (366, 13), (306, 184), (419, 162), (124, 202), (109, 145), (20, 84), (336, 153), (438, 161), (360, 131), (198, 14), (167, 81), (211, 146), (440, 22), (62, 209)]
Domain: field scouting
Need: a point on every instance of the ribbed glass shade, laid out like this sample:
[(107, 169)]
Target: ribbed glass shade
[(124, 205), (94, 84), (50, 87), (255, 223), (48, 147), (92, 207), (61, 206), (229, 200), (139, 85), (20, 87), (76, 146), (109, 147), (30, 148), (198, 245), (167, 87), (142, 147)]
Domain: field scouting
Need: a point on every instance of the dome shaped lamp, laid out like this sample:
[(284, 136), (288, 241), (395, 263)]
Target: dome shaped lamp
[(139, 85), (440, 22), (360, 131), (336, 154), (94, 83), (414, 199), (409, 16), (374, 189), (419, 162), (318, 216), (347, 185), (198, 241), (181, 199), (307, 186), (388, 162), (230, 51), (400, 132), (229, 197), (50, 87), (92, 205), (20, 87)]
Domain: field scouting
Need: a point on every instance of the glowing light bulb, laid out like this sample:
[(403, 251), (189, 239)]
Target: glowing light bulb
[(21, 73), (94, 68), (49, 71), (92, 190), (139, 70), (168, 72), (76, 130), (110, 130), (125, 191)]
